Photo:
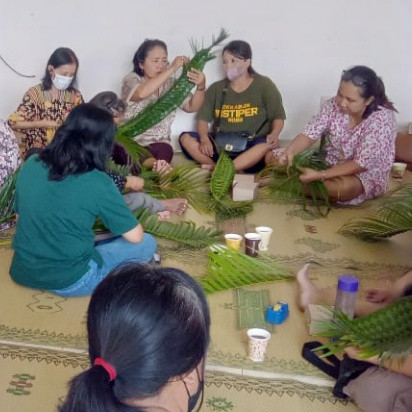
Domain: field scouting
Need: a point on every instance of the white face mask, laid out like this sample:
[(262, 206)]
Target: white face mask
[(61, 82), (234, 72)]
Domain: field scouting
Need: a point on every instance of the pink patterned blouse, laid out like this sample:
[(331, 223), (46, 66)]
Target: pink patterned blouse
[(371, 144)]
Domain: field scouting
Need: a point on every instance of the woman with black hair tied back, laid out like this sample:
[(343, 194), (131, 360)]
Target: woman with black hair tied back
[(360, 129), (148, 333), (45, 106), (59, 195)]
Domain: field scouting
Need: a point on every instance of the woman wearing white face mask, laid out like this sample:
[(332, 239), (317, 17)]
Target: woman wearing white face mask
[(45, 106), (251, 103)]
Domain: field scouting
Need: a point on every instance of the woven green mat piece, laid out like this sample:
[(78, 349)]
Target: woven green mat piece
[(251, 307)]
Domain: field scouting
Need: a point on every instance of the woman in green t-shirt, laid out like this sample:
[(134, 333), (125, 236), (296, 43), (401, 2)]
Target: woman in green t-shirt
[(59, 195), (244, 101)]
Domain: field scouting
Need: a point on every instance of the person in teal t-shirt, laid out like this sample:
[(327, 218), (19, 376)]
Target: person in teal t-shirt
[(59, 195)]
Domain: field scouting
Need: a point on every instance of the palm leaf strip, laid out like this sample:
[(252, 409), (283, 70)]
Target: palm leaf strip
[(386, 333), (171, 100), (228, 269)]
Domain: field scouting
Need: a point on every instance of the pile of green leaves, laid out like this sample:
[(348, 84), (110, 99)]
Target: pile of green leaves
[(228, 269)]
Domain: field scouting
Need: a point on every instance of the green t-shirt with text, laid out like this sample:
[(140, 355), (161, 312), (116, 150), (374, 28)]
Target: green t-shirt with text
[(245, 111)]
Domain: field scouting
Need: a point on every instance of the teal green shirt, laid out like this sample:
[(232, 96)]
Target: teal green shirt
[(245, 111), (54, 240)]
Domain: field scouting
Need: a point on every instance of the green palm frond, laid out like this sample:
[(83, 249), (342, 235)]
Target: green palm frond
[(222, 176), (132, 148), (185, 232), (386, 333), (184, 181), (7, 197), (171, 100), (228, 269), (391, 215), (285, 185)]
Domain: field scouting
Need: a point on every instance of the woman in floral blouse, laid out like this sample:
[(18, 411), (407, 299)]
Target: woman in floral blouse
[(45, 106), (361, 127)]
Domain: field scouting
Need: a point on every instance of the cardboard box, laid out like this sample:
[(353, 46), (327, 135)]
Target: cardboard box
[(244, 187)]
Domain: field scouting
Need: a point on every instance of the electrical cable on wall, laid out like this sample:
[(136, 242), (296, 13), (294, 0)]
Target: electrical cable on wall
[(14, 70)]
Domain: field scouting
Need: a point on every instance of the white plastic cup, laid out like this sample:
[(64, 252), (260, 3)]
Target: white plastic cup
[(398, 170), (258, 342), (265, 232)]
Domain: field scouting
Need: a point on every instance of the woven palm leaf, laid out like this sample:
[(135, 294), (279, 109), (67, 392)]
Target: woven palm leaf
[(222, 176), (285, 185), (171, 100), (228, 269), (386, 333), (7, 197), (390, 216)]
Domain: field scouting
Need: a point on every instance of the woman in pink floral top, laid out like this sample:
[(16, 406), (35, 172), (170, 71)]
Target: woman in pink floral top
[(361, 127)]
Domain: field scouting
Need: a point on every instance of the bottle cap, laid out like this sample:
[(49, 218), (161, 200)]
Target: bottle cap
[(348, 283)]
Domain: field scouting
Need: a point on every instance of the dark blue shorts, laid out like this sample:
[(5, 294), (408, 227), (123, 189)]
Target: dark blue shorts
[(215, 157)]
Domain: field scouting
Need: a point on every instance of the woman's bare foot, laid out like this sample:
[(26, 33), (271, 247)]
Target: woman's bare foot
[(308, 292), (164, 215), (177, 206), (162, 167)]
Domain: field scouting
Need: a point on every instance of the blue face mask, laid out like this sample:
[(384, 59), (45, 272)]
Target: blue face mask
[(193, 399)]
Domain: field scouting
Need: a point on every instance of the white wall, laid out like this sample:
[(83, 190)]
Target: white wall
[(302, 45)]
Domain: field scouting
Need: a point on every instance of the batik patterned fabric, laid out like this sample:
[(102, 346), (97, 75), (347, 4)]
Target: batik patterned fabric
[(9, 152), (39, 104)]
